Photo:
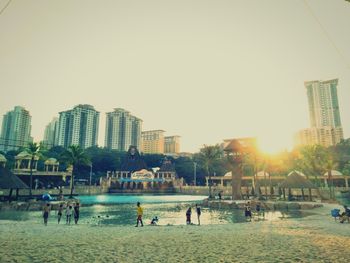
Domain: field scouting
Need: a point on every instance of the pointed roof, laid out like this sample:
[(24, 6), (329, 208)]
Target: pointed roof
[(8, 180), (167, 166), (133, 161), (295, 180), (25, 156), (334, 173), (234, 146), (2, 159), (51, 161), (241, 145)]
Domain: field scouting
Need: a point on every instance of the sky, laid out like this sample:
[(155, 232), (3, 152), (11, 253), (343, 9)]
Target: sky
[(202, 69)]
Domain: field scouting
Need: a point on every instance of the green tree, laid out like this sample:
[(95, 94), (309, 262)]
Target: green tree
[(75, 156), (209, 154), (34, 150), (312, 160)]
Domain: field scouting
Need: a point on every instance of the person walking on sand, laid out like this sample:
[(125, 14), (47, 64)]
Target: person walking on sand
[(188, 216), (59, 213), (139, 214), (46, 212), (198, 210), (76, 213), (68, 214)]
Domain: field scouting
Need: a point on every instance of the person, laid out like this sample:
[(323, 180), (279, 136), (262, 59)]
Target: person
[(188, 216), (46, 212), (248, 211), (345, 215), (198, 210), (60, 194), (247, 193), (219, 194), (154, 221), (59, 213), (139, 214), (68, 214), (258, 207), (76, 213)]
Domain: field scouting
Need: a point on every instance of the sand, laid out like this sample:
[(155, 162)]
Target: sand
[(315, 238)]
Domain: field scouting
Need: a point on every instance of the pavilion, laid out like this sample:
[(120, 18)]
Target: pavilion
[(296, 180), (9, 181)]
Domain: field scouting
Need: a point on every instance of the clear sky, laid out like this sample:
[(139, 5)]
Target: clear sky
[(204, 70)]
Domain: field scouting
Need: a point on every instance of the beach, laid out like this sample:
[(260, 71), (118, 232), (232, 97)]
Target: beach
[(315, 238)]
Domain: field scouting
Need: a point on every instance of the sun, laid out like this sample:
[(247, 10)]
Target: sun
[(272, 145)]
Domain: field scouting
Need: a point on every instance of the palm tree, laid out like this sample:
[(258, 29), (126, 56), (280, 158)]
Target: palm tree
[(34, 150), (238, 154), (313, 158), (210, 154), (74, 156), (329, 166)]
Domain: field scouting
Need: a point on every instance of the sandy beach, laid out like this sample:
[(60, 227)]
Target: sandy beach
[(315, 238)]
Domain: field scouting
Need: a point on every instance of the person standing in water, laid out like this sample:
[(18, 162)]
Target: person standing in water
[(68, 213), (198, 210), (59, 213), (46, 212), (139, 214), (248, 211)]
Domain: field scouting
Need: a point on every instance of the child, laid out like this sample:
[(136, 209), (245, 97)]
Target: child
[(248, 211), (68, 213), (154, 221)]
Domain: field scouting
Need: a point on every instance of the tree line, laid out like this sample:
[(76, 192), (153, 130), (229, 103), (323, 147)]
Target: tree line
[(312, 160)]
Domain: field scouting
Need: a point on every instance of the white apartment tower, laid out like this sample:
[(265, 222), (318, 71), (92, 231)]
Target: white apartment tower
[(15, 130), (324, 114), (78, 126), (122, 130), (51, 134)]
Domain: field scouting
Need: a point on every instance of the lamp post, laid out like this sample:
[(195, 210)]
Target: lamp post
[(194, 173), (90, 174)]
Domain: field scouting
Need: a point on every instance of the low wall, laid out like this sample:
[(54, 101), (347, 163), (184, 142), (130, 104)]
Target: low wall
[(322, 193), (141, 191), (266, 205), (79, 190)]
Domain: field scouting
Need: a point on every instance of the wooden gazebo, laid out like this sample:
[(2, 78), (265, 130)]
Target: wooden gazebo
[(297, 181), (10, 181)]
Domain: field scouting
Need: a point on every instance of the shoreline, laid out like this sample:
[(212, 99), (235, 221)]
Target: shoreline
[(314, 238)]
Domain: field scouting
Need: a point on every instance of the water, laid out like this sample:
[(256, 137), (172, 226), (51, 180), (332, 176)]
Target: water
[(133, 199), (121, 210)]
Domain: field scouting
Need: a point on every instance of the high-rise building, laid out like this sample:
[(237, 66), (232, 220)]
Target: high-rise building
[(323, 103), (122, 130), (15, 130), (152, 141), (326, 136), (51, 134), (324, 113), (78, 126), (172, 144)]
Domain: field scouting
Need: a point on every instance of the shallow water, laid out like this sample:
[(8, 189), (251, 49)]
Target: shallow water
[(170, 209)]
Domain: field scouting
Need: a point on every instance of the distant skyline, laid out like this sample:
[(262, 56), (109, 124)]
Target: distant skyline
[(204, 70)]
